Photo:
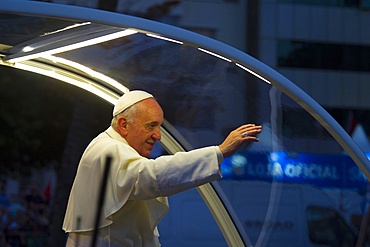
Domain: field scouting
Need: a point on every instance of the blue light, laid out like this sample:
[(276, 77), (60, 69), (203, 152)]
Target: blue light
[(325, 170)]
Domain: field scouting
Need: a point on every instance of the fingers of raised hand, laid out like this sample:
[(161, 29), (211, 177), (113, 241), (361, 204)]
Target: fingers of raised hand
[(249, 130)]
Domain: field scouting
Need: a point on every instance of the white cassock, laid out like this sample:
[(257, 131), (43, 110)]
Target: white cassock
[(135, 199)]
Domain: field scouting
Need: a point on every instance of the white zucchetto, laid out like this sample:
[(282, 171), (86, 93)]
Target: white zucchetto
[(128, 99)]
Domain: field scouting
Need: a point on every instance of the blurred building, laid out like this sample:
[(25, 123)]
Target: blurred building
[(322, 46)]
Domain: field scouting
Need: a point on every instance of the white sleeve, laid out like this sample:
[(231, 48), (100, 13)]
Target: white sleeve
[(169, 174), (186, 170)]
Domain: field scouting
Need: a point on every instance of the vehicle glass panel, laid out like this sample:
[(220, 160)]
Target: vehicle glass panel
[(278, 188)]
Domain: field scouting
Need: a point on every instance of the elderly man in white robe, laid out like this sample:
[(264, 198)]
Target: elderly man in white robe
[(137, 186)]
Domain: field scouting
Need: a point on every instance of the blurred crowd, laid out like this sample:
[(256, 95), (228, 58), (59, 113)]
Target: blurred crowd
[(24, 222)]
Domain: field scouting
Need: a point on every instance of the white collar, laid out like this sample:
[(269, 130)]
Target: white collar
[(112, 133)]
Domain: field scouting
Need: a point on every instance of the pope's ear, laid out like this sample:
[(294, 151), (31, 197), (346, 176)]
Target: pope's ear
[(122, 125)]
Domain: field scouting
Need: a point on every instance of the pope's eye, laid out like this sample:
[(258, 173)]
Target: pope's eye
[(151, 126)]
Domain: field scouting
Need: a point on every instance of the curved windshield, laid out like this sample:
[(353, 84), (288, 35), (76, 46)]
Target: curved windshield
[(295, 187)]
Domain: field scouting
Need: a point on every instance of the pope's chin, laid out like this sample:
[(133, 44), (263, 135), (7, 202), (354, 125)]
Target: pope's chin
[(147, 151)]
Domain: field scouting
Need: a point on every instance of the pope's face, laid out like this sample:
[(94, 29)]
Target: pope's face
[(144, 130)]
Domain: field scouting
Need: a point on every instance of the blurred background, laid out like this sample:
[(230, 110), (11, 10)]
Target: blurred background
[(322, 46)]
